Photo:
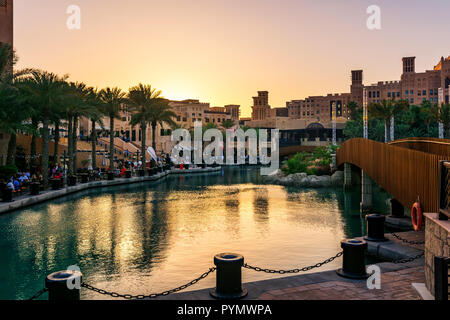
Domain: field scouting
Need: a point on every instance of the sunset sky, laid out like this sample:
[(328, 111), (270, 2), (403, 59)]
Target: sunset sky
[(223, 52)]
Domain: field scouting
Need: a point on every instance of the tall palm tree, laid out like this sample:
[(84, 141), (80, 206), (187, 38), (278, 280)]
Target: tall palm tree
[(46, 90), (7, 60), (160, 113), (352, 110), (112, 99), (82, 95), (13, 114), (96, 114), (385, 111), (430, 114), (142, 100), (228, 124)]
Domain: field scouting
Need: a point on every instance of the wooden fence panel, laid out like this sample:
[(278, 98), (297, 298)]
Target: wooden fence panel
[(406, 174)]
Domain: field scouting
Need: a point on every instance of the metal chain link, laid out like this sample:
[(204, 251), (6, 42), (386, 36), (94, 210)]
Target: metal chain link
[(420, 255), (38, 294), (149, 296), (304, 269), (405, 240)]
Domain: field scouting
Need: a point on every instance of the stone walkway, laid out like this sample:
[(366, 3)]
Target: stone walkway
[(396, 282), (394, 286)]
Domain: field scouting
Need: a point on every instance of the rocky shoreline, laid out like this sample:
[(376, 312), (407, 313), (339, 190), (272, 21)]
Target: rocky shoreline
[(305, 180)]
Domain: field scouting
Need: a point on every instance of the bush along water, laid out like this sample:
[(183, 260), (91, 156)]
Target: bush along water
[(316, 163)]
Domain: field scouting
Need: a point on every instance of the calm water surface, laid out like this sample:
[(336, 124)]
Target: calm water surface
[(143, 238)]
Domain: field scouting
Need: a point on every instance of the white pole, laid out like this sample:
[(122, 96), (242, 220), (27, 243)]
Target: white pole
[(333, 119), (440, 102), (365, 115), (392, 128)]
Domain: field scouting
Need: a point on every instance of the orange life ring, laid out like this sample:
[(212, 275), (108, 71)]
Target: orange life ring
[(416, 216)]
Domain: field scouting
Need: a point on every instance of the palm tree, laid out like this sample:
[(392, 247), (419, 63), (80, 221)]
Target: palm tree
[(142, 99), (81, 94), (430, 112), (13, 113), (112, 99), (352, 110), (161, 113), (93, 99), (228, 124), (7, 60), (46, 90), (385, 111)]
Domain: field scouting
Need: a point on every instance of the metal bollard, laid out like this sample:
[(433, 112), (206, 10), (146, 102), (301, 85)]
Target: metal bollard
[(84, 178), (229, 277), (55, 184), (353, 264), (397, 210), (7, 195), (72, 181), (128, 174), (375, 228), (57, 285), (34, 188), (110, 176)]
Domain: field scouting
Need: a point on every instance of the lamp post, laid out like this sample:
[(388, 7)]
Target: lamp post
[(440, 102), (365, 115)]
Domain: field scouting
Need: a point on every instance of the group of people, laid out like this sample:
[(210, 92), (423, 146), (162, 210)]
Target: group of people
[(18, 182)]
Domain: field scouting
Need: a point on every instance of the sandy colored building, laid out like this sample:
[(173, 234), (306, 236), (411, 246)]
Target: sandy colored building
[(187, 113), (6, 36), (412, 86), (6, 22)]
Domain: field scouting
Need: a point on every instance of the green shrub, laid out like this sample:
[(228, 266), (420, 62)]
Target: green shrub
[(315, 163), (7, 171)]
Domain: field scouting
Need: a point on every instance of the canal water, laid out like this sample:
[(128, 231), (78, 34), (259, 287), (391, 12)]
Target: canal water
[(150, 237)]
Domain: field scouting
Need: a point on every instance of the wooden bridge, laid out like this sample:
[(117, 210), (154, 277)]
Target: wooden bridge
[(405, 168)]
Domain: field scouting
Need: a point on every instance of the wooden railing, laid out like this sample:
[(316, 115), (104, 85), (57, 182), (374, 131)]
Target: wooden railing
[(428, 145), (406, 174)]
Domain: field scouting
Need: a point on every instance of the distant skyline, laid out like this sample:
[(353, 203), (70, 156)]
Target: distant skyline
[(223, 52)]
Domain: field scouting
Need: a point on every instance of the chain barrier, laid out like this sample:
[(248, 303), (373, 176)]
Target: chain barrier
[(304, 269), (149, 296), (420, 255), (38, 294), (405, 240)]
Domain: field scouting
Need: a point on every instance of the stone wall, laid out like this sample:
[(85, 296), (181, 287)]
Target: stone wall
[(437, 242)]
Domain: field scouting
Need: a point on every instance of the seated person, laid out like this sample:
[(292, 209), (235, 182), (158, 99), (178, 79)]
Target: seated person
[(10, 185), (16, 185)]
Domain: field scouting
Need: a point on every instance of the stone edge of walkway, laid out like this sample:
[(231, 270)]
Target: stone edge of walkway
[(389, 250), (257, 288), (50, 195)]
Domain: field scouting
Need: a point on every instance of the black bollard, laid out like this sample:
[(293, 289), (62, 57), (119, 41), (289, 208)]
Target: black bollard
[(58, 283), (397, 210), (375, 228), (72, 181), (110, 176), (141, 173), (7, 195), (55, 184), (128, 174), (34, 188), (84, 178), (353, 262), (229, 277)]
